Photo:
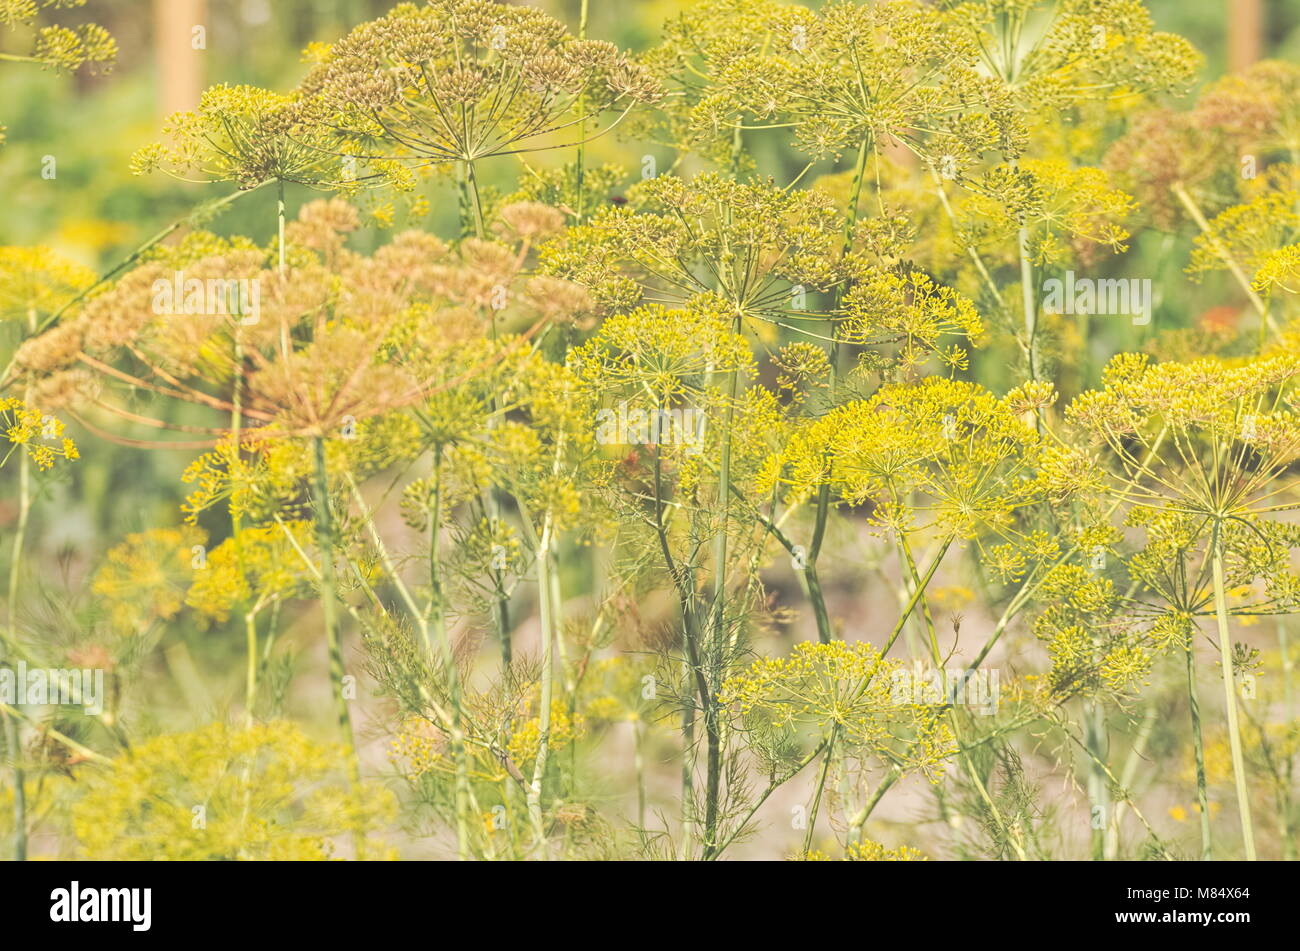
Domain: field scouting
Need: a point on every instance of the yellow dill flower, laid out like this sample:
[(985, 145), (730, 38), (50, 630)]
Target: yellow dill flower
[(1069, 213), (909, 311), (564, 730), (257, 566), (749, 245), (942, 453), (1279, 270), (846, 685), (869, 851), (37, 434), (1253, 235), (418, 748), (38, 282), (144, 579), (60, 47), (246, 135), (265, 792), (428, 83)]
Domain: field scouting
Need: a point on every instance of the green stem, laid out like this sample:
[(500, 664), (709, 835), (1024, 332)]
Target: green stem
[(475, 200), (437, 621), (811, 581), (236, 536), (1217, 246), (824, 633), (854, 834), (1031, 308), (279, 213), (1288, 701), (472, 211), (713, 777), (688, 764), (581, 159), (773, 784), (15, 574), (818, 599), (928, 619), (917, 594), (1094, 738), (13, 729), (821, 786), (329, 610), (544, 589), (1110, 776), (638, 754), (1198, 749), (1230, 695)]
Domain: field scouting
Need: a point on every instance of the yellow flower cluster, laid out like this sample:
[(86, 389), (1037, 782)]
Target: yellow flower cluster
[(869, 851), (39, 435), (565, 729), (419, 748), (849, 686), (144, 579), (265, 792), (943, 448)]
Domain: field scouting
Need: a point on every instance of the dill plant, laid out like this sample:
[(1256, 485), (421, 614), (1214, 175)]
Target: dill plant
[(405, 444)]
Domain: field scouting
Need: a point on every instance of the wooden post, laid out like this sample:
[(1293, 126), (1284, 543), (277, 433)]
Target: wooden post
[(1246, 22), (181, 37)]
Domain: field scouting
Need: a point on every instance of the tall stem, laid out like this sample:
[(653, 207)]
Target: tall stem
[(329, 610), (1098, 798), (1198, 748), (818, 599), (1230, 695), (824, 633), (236, 536), (544, 590), (12, 728), (1031, 308), (718, 639), (472, 216), (1217, 246), (1288, 705), (688, 764), (474, 211), (279, 214), (918, 593), (821, 786), (638, 739), (581, 159), (437, 620)]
